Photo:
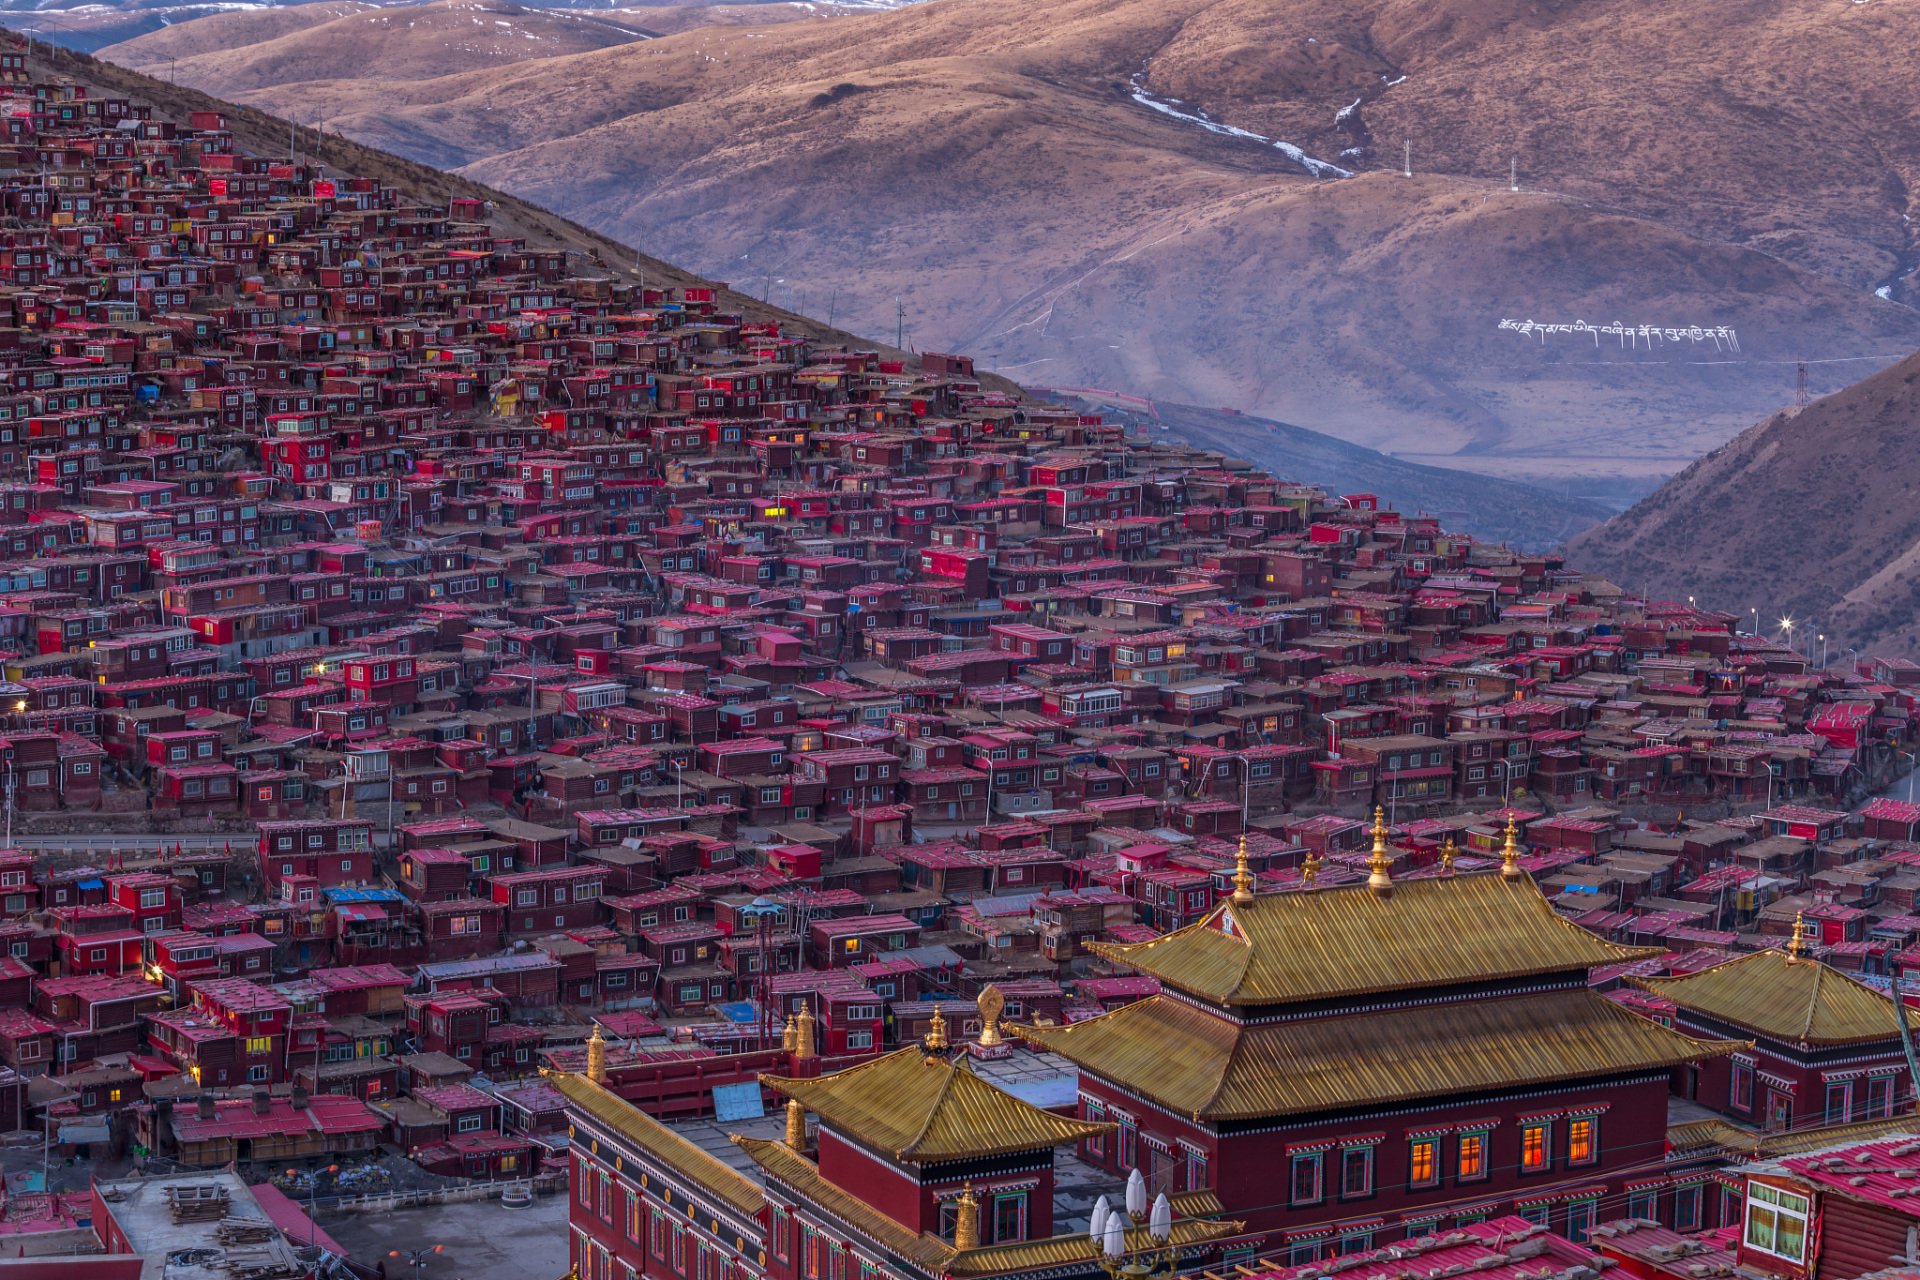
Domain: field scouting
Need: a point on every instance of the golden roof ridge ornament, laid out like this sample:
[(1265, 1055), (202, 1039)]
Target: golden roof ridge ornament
[(1797, 948), (1510, 854), (1381, 860), (935, 1045), (1448, 852), (803, 1033), (1310, 868), (796, 1126), (966, 1222), (597, 1057), (1242, 878)]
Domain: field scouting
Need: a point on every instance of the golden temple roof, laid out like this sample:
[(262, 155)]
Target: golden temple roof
[(672, 1150), (1347, 941), (1783, 998), (1724, 1138), (1204, 1066), (930, 1107), (934, 1254)]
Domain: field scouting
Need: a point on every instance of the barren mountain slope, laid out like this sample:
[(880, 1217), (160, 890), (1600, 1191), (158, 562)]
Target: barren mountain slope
[(403, 42), (998, 165), (1813, 514)]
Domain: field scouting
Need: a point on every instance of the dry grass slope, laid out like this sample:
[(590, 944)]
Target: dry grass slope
[(1813, 514)]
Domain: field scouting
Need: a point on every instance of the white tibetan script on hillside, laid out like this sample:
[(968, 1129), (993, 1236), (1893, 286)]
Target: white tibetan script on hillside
[(1722, 338)]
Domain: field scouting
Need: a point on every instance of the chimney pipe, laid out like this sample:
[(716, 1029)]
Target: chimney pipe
[(262, 1102), (203, 1107)]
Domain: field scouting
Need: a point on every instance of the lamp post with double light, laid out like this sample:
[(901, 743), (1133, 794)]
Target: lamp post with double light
[(1108, 1230)]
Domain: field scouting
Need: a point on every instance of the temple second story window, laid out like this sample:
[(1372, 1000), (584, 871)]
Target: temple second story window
[(1304, 1180), (1535, 1151), (1423, 1163), (1473, 1157), (1583, 1140)]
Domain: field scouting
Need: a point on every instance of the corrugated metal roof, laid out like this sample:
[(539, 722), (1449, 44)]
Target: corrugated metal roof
[(1798, 1001), (1320, 944), (929, 1108), (1204, 1066)]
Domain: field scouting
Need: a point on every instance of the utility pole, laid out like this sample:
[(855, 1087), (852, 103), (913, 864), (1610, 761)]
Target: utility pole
[(533, 694), (1800, 394), (1513, 174), (1406, 147), (833, 308), (899, 323)]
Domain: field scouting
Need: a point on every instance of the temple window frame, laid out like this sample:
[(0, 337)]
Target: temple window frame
[(1316, 1161)]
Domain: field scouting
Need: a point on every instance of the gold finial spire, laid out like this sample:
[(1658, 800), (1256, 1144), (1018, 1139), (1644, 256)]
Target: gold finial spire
[(1242, 878), (790, 1038), (1448, 852), (796, 1125), (597, 1057), (1797, 946), (1381, 861), (936, 1041), (803, 1033), (1510, 855), (966, 1223)]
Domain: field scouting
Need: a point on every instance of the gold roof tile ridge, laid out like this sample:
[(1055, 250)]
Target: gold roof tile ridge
[(933, 1110)]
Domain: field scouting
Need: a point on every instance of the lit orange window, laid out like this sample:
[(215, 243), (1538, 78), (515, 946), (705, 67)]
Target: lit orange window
[(1533, 1147), (1580, 1142), (1473, 1155)]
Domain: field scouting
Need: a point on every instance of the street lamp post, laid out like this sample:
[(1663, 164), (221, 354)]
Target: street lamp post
[(533, 695), (313, 1193)]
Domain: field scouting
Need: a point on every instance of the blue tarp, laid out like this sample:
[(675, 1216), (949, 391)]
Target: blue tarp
[(93, 884), (738, 1102)]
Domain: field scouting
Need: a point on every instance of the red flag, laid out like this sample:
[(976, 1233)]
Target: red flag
[(229, 848)]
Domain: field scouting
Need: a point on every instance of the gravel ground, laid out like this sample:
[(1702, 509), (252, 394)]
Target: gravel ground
[(480, 1240)]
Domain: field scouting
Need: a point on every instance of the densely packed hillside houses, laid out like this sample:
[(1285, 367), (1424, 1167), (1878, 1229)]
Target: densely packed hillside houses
[(601, 704)]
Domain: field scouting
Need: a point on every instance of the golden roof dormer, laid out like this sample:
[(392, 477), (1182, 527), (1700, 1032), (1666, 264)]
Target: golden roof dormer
[(925, 1108)]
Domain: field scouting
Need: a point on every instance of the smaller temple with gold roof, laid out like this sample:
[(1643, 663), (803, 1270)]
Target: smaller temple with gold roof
[(913, 1167), (1825, 1047)]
